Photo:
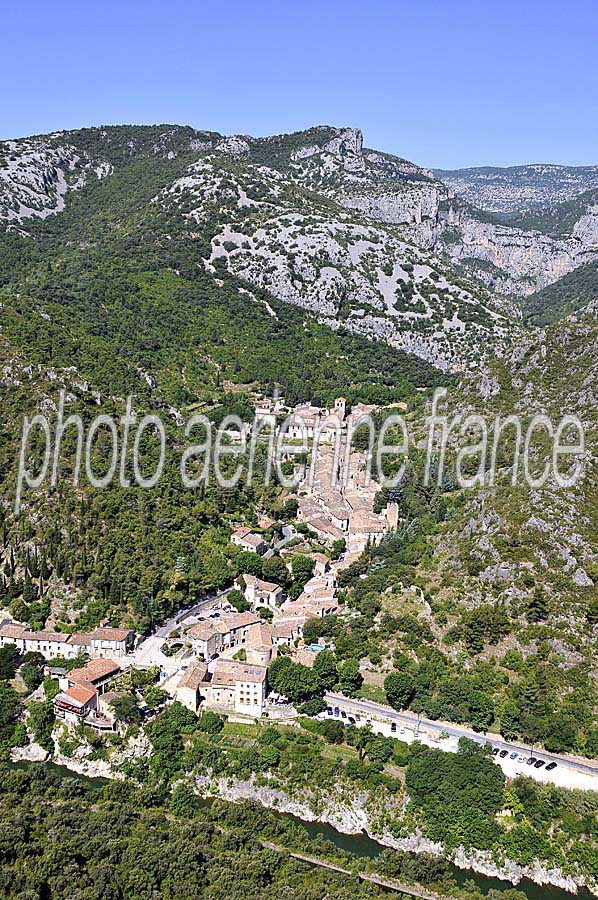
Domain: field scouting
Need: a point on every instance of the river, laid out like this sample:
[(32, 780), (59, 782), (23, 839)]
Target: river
[(362, 846)]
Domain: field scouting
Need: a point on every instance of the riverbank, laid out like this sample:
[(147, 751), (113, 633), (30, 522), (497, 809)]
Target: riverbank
[(337, 817), (387, 883), (354, 819)]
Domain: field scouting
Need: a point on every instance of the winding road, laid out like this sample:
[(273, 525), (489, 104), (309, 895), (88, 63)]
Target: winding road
[(381, 713)]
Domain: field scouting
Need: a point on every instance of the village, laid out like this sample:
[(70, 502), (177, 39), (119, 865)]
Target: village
[(217, 657)]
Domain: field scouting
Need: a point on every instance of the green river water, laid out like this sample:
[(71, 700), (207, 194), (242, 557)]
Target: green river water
[(361, 845)]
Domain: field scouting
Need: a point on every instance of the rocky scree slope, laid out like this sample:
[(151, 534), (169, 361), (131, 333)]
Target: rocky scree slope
[(504, 540), (284, 215)]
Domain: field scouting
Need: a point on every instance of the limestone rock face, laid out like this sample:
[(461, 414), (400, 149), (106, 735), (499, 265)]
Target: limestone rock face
[(368, 241), (37, 173), (31, 753), (233, 146), (513, 261), (350, 140), (586, 228)]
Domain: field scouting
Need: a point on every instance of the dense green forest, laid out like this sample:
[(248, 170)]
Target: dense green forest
[(63, 838), (567, 296), (136, 840), (113, 287)]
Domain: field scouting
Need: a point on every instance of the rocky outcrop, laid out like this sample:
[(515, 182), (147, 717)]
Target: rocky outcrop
[(30, 753), (351, 815), (349, 140), (415, 207), (586, 228), (482, 862), (511, 260), (233, 146), (37, 173), (81, 759)]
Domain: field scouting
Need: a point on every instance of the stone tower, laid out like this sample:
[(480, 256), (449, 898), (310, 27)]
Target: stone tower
[(339, 408)]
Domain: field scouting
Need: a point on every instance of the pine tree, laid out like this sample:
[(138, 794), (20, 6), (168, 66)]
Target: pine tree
[(537, 610), (29, 592)]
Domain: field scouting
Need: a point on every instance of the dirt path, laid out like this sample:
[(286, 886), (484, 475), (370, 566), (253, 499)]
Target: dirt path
[(388, 883)]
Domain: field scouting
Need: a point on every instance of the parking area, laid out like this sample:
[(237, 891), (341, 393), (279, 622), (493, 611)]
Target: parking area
[(513, 761)]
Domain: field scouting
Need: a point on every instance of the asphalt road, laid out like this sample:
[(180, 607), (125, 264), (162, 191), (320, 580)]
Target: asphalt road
[(378, 711), (164, 630)]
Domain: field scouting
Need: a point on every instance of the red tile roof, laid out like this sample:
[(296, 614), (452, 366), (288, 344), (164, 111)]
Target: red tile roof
[(77, 695), (110, 634), (94, 671)]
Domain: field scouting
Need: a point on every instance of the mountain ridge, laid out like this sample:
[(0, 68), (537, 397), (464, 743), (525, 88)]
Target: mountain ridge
[(513, 259), (510, 190), (306, 243)]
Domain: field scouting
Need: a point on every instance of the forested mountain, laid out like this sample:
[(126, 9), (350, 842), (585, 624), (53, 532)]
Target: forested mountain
[(508, 543), (197, 272), (571, 295), (577, 218), (283, 215)]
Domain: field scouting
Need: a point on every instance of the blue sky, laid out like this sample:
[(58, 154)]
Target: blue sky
[(446, 84)]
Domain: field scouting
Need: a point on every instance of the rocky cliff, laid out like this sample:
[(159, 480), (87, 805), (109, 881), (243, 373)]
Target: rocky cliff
[(364, 240), (512, 260)]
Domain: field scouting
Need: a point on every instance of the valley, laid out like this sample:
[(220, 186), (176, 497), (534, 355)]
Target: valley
[(307, 275)]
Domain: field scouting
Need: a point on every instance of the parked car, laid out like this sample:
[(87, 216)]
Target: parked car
[(336, 711), (539, 763), (532, 761), (343, 714), (513, 755), (494, 751), (551, 766), (503, 753), (393, 726), (329, 710)]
